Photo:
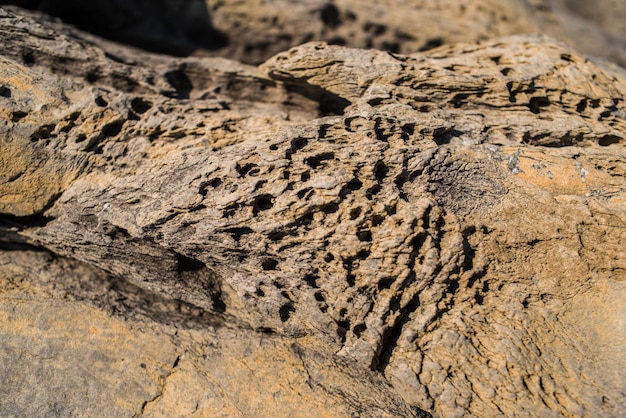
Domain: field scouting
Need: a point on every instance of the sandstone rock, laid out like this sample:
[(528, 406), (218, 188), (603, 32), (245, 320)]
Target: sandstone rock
[(252, 31), (337, 231), (63, 357)]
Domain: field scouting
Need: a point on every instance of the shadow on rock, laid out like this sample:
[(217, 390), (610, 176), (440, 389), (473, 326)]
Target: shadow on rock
[(172, 27)]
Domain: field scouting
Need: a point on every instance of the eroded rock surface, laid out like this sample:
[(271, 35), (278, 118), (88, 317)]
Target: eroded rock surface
[(338, 230), (252, 31)]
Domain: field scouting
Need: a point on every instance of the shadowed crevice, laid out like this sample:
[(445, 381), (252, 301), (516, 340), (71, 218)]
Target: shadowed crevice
[(154, 26)]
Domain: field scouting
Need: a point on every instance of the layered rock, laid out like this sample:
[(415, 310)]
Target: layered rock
[(338, 230)]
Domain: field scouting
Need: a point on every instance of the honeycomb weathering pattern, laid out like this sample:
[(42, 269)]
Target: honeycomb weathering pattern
[(431, 217)]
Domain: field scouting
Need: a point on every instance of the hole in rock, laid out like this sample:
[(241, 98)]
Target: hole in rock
[(358, 329), (459, 100), (330, 208), (372, 191), (385, 283), (479, 298), (607, 140), (536, 103), (355, 213), (218, 303), (269, 264), (330, 16), (305, 219), (317, 160), (342, 329), (303, 192), (92, 77), (354, 184), (262, 202), (311, 279), (184, 263), (216, 182), (408, 130), (101, 102), (180, 82), (298, 143), (249, 168), (16, 116), (140, 105), (44, 131), (28, 57), (285, 311), (351, 279), (113, 128), (277, 235), (365, 236), (237, 233), (362, 255)]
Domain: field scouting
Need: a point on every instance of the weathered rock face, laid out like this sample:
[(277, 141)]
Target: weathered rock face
[(252, 31), (144, 354), (337, 231)]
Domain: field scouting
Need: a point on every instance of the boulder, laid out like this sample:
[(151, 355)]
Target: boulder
[(335, 232)]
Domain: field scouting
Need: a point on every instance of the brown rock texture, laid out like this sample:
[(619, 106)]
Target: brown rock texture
[(252, 31), (335, 232)]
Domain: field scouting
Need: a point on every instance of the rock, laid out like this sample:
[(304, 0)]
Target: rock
[(252, 31), (596, 28), (336, 231), (63, 357)]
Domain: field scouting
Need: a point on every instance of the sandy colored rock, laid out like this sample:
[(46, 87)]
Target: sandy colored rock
[(337, 231), (86, 356), (252, 31)]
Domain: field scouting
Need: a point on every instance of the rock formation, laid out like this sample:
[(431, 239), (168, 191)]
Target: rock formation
[(252, 31), (335, 232)]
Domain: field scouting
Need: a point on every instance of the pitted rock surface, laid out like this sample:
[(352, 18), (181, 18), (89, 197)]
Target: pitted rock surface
[(252, 31), (445, 229)]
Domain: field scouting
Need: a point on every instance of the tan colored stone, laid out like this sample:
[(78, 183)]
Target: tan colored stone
[(338, 231), (252, 31)]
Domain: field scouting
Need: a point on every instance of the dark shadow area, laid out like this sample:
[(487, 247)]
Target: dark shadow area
[(329, 103), (175, 28), (68, 279)]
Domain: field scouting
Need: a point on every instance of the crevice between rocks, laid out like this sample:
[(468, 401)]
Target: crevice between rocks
[(11, 226)]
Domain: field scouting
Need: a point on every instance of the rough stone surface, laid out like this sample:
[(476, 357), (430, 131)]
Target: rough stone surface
[(252, 31), (335, 232)]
